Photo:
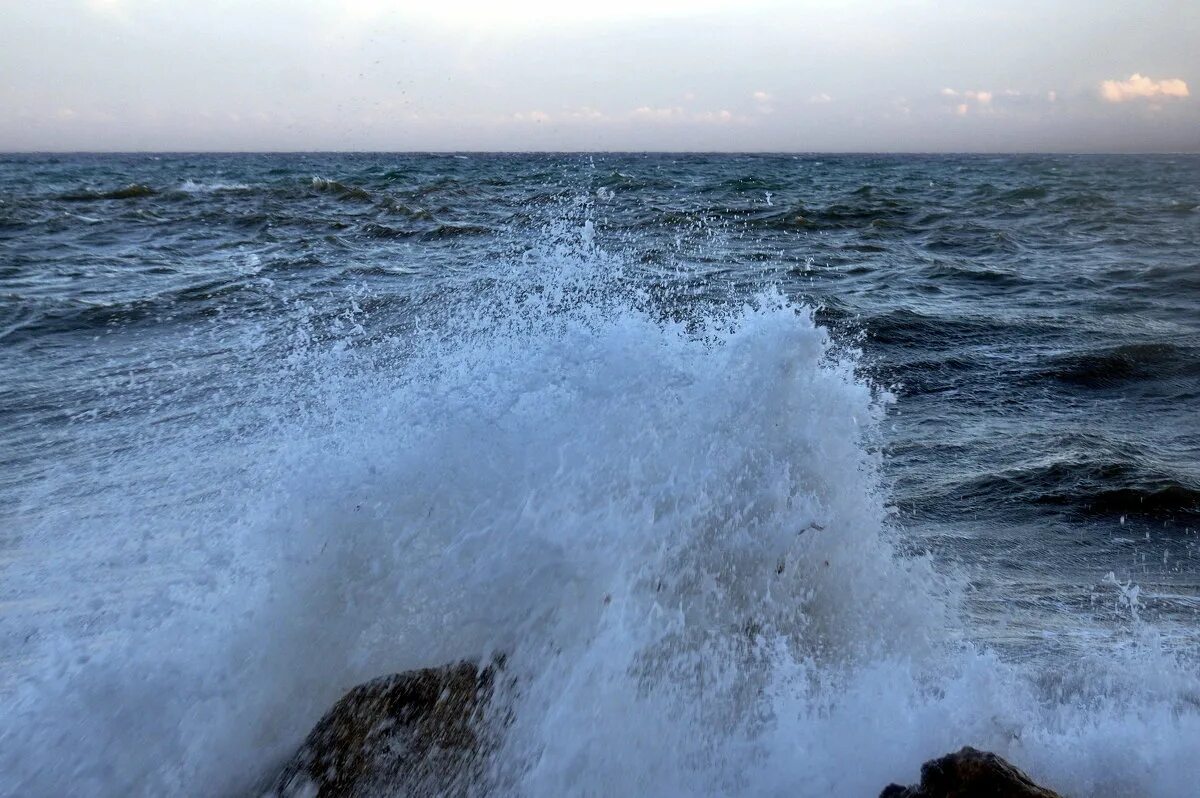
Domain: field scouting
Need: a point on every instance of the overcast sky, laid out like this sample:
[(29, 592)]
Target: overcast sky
[(908, 75)]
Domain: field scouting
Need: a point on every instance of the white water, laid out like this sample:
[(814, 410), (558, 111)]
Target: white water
[(194, 187), (677, 534)]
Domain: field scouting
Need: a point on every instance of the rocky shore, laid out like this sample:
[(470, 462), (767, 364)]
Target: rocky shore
[(417, 733), (420, 733), (970, 773)]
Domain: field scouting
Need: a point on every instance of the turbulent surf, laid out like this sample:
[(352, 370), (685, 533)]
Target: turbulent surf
[(748, 505)]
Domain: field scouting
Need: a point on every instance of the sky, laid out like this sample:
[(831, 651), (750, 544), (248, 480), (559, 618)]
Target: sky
[(754, 75)]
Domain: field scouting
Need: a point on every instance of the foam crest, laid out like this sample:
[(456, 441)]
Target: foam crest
[(190, 186)]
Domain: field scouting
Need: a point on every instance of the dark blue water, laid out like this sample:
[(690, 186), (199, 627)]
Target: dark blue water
[(1027, 329)]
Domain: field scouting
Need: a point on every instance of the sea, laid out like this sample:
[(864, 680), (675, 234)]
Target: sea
[(767, 475)]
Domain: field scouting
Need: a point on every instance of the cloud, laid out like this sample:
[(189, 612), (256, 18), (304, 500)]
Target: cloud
[(720, 117), (962, 99), (676, 114), (978, 95), (1140, 87), (658, 114), (820, 99), (996, 103), (586, 112), (763, 102)]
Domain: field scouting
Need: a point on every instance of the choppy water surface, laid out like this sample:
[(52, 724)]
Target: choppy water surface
[(771, 474)]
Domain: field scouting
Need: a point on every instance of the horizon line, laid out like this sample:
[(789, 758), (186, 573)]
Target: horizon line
[(4, 152)]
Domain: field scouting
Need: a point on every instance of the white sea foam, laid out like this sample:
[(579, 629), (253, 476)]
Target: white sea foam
[(675, 529), (194, 187)]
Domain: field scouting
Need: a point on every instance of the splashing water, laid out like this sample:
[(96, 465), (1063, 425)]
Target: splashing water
[(672, 523), (1127, 595)]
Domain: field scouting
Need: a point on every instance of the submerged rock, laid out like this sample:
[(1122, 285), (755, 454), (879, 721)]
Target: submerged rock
[(970, 773), (413, 733)]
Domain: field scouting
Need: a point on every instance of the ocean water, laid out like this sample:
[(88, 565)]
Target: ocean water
[(769, 475)]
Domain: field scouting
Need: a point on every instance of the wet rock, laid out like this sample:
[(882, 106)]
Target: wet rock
[(415, 733), (970, 773)]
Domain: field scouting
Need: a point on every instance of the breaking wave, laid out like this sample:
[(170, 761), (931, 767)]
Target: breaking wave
[(131, 191), (671, 523)]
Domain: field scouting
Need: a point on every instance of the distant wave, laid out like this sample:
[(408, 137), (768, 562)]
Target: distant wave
[(1164, 498), (1113, 366), (974, 273), (1024, 193), (1100, 482), (40, 318), (869, 211), (913, 328), (376, 230), (341, 190), (194, 187), (140, 190), (131, 191)]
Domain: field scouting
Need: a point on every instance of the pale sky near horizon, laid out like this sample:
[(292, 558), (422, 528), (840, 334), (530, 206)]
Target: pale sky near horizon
[(394, 75)]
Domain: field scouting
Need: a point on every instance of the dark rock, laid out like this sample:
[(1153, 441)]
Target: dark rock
[(970, 774), (414, 733)]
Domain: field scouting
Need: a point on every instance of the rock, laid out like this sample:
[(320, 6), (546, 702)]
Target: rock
[(414, 733), (970, 773)]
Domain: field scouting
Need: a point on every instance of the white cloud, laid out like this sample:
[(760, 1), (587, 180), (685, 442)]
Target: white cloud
[(1139, 87), (658, 114), (532, 116), (664, 115), (720, 117), (820, 99), (763, 102), (980, 96), (676, 114), (997, 102), (587, 113)]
